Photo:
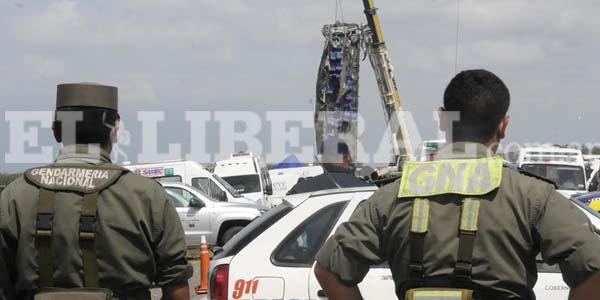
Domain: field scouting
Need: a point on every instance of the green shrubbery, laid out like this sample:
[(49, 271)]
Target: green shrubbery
[(5, 179)]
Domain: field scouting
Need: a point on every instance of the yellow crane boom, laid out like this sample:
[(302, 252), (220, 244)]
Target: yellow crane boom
[(390, 96)]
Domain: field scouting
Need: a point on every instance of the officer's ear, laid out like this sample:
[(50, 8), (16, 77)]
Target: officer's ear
[(57, 131), (442, 118), (115, 130), (348, 158), (501, 129)]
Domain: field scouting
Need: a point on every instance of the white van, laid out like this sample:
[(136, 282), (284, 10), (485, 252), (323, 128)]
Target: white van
[(564, 166), (192, 173), (248, 174), (284, 179)]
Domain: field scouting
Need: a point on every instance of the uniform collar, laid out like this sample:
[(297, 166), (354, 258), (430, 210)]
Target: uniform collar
[(80, 153), (464, 150), (337, 169)]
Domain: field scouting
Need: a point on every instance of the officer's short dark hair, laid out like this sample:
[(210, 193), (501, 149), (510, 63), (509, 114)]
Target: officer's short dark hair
[(482, 100), (334, 145), (332, 149), (92, 125)]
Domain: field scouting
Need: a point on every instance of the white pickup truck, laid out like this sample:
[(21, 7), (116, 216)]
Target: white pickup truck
[(201, 215)]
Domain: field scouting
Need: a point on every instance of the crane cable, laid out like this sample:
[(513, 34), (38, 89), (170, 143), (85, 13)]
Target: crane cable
[(457, 36), (341, 10), (338, 4)]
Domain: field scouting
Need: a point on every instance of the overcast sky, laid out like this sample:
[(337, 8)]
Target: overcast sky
[(263, 55)]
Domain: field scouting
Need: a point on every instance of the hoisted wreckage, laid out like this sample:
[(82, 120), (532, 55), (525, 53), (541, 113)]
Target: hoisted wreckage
[(336, 107)]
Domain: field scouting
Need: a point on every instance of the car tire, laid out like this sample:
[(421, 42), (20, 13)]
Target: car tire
[(229, 233)]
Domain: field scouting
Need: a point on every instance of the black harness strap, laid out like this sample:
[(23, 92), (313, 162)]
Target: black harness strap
[(464, 262), (43, 237), (87, 239), (418, 229), (466, 243), (417, 250)]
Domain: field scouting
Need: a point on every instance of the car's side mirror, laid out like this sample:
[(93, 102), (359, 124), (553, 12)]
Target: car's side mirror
[(222, 196), (269, 190), (197, 203)]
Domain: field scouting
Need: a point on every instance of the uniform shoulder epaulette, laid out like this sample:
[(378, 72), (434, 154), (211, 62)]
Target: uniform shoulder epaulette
[(382, 181), (529, 174)]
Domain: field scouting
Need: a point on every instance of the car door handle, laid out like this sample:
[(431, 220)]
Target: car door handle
[(322, 294)]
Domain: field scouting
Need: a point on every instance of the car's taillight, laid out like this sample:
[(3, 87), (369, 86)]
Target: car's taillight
[(219, 283)]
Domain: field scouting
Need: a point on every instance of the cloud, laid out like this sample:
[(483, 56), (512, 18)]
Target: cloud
[(264, 54), (42, 67), (54, 25), (137, 89)]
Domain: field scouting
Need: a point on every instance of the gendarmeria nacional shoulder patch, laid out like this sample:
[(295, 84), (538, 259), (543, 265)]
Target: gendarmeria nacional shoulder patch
[(85, 179)]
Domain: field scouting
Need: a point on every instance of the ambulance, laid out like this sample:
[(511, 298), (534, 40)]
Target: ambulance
[(428, 149), (192, 173), (248, 174), (564, 166)]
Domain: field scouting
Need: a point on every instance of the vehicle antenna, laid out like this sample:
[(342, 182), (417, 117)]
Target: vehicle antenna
[(336, 10)]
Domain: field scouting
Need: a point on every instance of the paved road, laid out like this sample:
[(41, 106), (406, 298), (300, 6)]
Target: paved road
[(194, 282)]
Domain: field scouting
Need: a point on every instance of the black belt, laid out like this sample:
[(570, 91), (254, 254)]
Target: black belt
[(138, 295)]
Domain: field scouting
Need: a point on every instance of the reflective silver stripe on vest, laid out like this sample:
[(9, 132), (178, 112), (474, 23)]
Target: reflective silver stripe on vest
[(469, 214), (420, 216), (436, 295)]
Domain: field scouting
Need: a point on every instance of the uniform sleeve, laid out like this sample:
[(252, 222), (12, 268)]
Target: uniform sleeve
[(355, 246), (172, 265), (7, 252), (567, 237)]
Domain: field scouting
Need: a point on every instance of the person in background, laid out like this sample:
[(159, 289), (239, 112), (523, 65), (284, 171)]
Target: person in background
[(338, 170)]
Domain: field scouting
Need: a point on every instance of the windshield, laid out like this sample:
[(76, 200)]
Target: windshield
[(570, 178), (245, 183), (177, 199), (198, 190), (227, 186), (253, 230), (584, 206)]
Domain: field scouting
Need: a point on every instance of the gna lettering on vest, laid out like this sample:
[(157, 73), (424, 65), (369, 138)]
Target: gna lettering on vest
[(70, 177), (445, 177)]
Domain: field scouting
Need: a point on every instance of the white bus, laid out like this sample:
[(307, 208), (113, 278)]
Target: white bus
[(564, 166)]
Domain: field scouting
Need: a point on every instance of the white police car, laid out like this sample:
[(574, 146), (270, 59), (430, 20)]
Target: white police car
[(273, 257)]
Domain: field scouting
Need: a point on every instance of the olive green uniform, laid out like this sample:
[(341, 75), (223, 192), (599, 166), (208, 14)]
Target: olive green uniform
[(139, 238), (521, 218)]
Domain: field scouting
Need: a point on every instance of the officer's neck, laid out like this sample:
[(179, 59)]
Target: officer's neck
[(107, 147), (491, 144), (342, 165)]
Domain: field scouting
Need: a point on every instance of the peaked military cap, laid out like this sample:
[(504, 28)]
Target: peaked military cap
[(86, 95)]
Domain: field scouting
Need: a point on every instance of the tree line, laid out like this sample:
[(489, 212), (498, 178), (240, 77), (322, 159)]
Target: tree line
[(6, 178)]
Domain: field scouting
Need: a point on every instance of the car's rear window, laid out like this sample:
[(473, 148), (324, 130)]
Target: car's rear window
[(254, 229)]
